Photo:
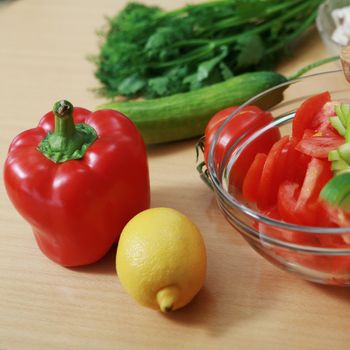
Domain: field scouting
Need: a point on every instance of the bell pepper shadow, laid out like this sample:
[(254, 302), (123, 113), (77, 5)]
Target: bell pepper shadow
[(105, 266)]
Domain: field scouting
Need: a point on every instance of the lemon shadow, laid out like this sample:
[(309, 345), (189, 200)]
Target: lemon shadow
[(230, 294)]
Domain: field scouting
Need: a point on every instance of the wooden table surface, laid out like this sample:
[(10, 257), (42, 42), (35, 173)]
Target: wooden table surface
[(246, 303)]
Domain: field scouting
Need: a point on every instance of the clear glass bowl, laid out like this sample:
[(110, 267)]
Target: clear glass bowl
[(278, 241)]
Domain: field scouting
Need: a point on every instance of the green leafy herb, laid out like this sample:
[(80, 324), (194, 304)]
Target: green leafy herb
[(149, 52)]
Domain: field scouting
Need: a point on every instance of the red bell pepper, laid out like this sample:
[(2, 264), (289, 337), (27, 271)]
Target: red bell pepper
[(78, 178)]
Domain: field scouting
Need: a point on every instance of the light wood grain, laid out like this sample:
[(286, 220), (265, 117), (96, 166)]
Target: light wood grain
[(246, 303)]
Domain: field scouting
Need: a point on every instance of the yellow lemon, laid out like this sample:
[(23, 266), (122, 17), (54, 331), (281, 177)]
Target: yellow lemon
[(161, 259)]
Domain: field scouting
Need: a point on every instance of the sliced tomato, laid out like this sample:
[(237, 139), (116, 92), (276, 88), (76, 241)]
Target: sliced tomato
[(299, 168), (327, 111), (261, 144), (322, 117), (287, 206), (252, 179), (305, 117), (301, 205), (272, 231), (319, 144), (318, 173), (335, 217), (308, 208), (297, 163), (288, 194), (236, 131), (332, 241), (270, 178), (285, 234), (282, 163), (238, 126), (213, 125)]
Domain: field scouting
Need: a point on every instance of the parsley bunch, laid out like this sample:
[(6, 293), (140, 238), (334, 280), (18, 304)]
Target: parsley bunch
[(153, 53)]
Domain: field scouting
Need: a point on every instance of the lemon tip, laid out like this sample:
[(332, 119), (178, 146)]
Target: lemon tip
[(167, 297)]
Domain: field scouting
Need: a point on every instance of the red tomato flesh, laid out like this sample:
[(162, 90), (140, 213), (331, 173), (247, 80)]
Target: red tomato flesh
[(287, 200), (317, 175), (270, 178), (319, 144), (305, 117), (236, 131), (252, 179), (285, 185)]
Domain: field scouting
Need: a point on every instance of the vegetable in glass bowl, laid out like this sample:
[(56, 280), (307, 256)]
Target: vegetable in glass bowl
[(277, 204)]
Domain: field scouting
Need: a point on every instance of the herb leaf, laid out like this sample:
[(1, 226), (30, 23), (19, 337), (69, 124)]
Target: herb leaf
[(148, 52), (251, 50)]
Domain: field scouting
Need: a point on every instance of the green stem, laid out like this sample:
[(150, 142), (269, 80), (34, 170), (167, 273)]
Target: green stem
[(65, 138), (259, 29), (192, 42), (195, 54), (185, 9), (68, 141), (204, 51), (294, 35), (64, 125), (316, 64), (232, 22)]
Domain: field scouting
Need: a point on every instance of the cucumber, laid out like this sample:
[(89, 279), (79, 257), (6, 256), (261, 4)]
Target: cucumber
[(185, 115), (337, 191), (344, 152)]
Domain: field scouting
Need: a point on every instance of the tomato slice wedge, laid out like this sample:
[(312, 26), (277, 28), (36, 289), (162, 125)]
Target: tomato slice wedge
[(297, 163), (319, 144), (308, 207), (318, 173), (285, 234), (241, 123), (252, 179), (261, 144), (305, 117), (301, 204), (270, 230), (288, 194), (241, 126), (270, 177)]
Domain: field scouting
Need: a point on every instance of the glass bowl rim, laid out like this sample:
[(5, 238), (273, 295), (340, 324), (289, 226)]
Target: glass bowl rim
[(231, 200)]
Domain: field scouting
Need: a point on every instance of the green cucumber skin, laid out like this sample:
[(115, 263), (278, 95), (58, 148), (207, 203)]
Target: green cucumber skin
[(337, 191), (183, 116)]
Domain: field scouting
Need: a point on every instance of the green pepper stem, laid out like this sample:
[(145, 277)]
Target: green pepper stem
[(64, 125), (65, 138), (68, 140)]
